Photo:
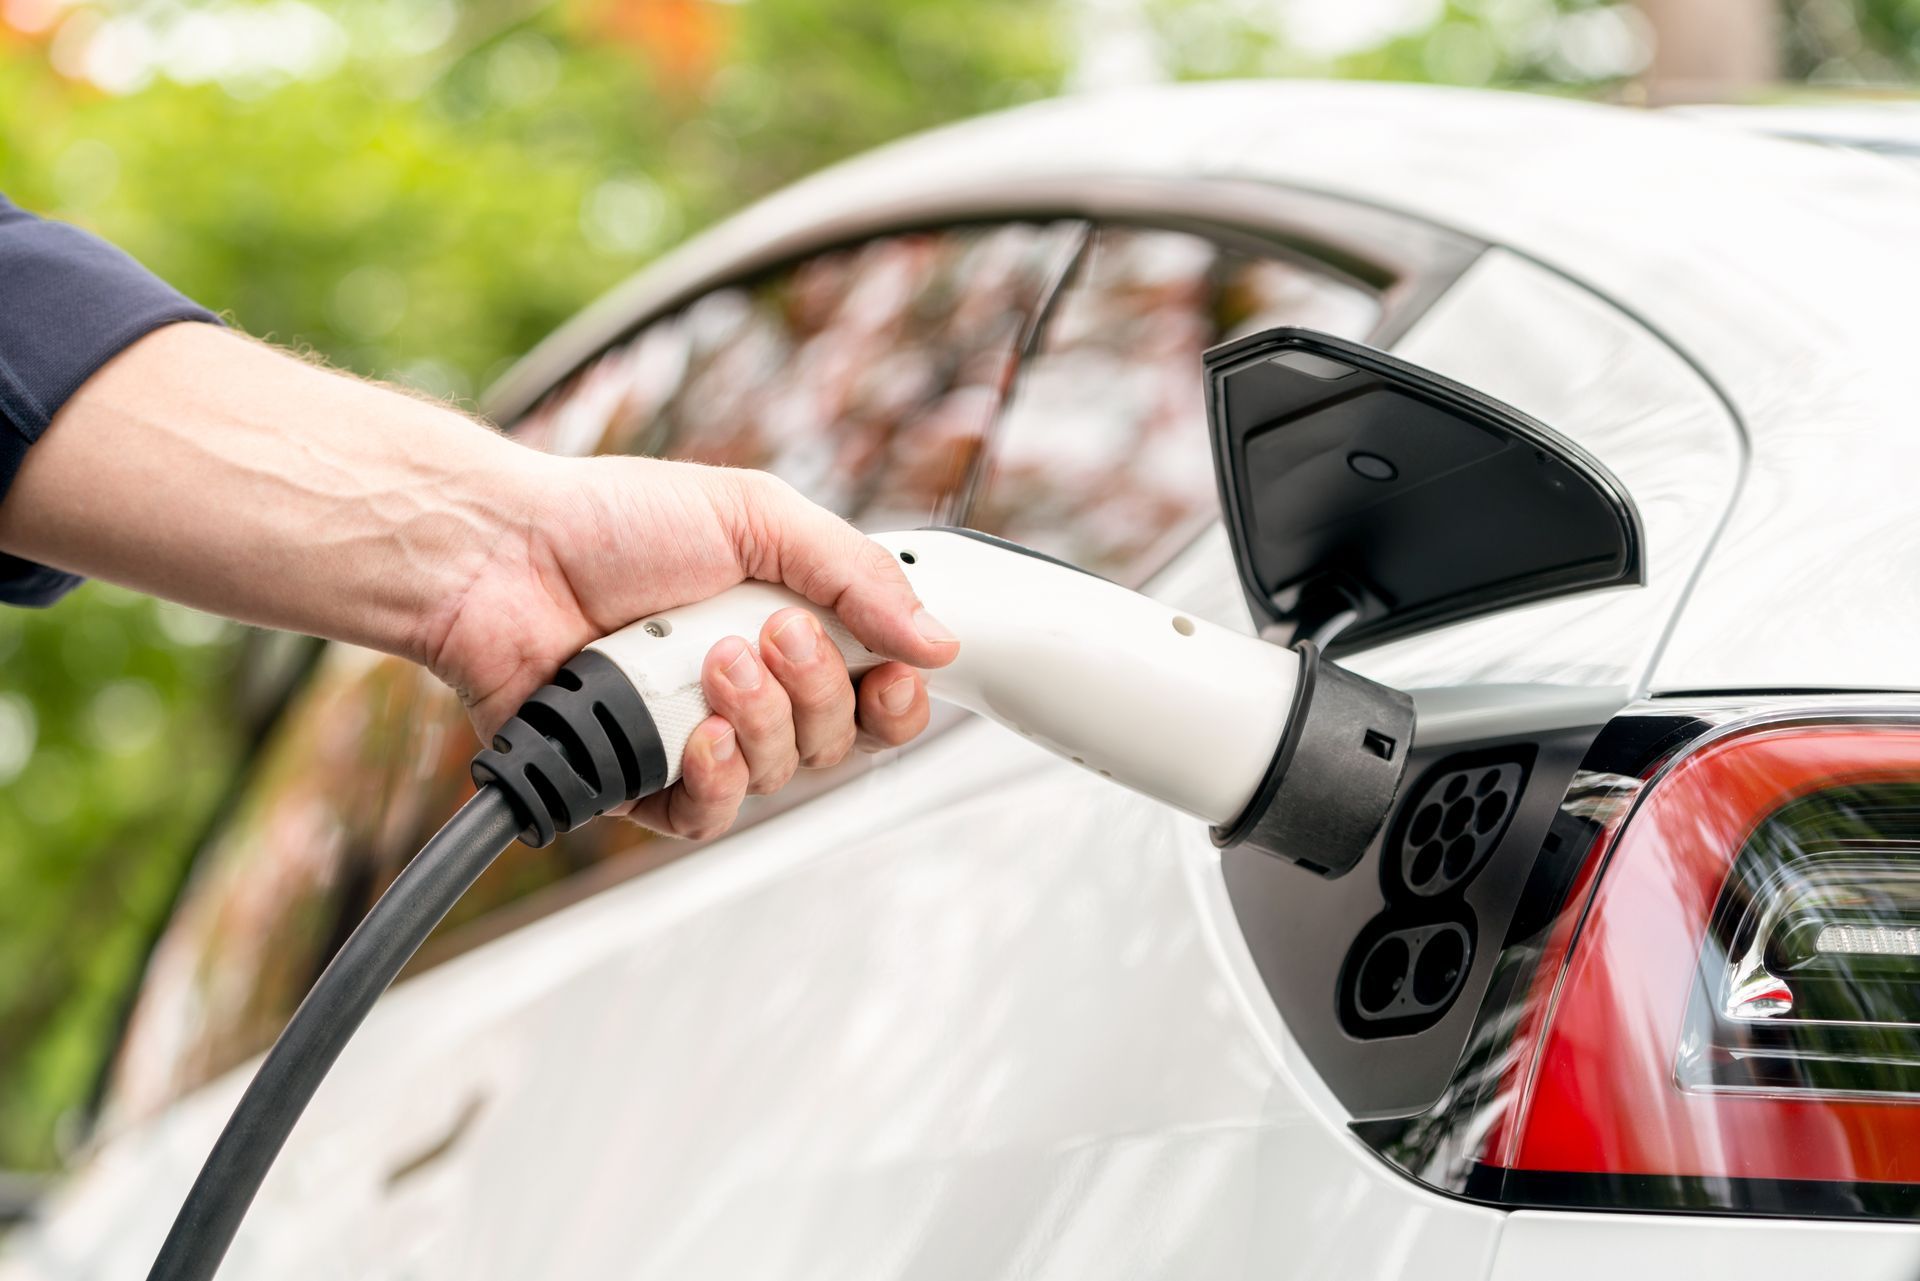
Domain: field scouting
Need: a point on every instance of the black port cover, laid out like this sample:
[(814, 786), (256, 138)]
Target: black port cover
[(1369, 498)]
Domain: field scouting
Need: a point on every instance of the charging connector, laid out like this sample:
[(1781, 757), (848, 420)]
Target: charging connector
[(1276, 748), (1335, 774)]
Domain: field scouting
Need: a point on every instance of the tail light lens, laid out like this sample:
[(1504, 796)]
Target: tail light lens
[(1724, 1011)]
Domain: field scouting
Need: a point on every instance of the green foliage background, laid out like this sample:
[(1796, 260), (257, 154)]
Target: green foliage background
[(424, 217), (424, 203)]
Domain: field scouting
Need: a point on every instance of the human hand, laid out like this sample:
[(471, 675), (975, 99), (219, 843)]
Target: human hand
[(590, 545), (213, 470)]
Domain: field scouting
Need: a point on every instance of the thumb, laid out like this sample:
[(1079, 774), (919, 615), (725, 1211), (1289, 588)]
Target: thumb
[(785, 539)]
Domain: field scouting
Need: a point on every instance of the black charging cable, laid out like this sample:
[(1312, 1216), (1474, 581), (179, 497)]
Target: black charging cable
[(576, 748), (425, 891), (587, 742)]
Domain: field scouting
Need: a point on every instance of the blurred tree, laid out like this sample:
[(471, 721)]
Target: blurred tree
[(112, 745), (1583, 45), (410, 190), (1852, 41)]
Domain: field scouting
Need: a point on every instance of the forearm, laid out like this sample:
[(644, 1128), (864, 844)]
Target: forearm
[(204, 467), (207, 468)]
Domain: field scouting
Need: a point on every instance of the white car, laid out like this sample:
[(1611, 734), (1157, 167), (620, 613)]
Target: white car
[(1628, 985)]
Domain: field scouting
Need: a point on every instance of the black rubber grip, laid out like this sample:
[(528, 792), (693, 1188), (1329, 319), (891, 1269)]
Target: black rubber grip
[(577, 748), (1335, 773)]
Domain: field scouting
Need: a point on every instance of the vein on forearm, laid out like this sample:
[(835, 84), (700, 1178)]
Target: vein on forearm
[(206, 468)]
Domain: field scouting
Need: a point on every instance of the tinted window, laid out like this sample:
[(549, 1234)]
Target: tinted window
[(1102, 457), (866, 377)]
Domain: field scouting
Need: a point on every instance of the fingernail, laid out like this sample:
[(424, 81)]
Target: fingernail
[(744, 671), (724, 746), (898, 697), (795, 638), (932, 628)]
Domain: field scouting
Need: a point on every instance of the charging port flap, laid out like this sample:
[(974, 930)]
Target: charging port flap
[(1368, 498)]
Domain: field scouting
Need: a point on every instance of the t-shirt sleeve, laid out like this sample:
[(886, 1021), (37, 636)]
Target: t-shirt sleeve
[(69, 302)]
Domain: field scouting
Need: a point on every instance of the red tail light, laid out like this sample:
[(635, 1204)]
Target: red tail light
[(1734, 1007)]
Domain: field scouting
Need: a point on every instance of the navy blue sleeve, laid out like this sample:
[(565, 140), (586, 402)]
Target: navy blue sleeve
[(69, 302)]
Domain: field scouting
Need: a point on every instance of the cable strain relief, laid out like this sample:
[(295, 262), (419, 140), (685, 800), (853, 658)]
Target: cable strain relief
[(1335, 774), (576, 748)]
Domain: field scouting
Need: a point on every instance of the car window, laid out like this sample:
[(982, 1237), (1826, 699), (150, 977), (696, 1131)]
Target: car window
[(1102, 456), (867, 377)]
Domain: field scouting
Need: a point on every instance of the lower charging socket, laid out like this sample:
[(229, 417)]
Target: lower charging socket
[(1404, 977)]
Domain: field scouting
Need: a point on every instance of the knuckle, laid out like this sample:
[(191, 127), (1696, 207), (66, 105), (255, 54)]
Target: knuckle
[(816, 579), (774, 779), (832, 752), (762, 718), (768, 487), (881, 564), (823, 697), (705, 817), (761, 507), (745, 485)]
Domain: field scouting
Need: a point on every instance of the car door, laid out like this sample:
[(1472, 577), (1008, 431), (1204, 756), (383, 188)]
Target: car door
[(955, 1016), (874, 377), (865, 375)]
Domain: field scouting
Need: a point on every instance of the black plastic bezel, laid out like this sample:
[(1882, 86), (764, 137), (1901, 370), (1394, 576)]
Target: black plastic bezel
[(1382, 619)]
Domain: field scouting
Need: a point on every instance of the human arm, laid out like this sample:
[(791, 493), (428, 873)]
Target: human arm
[(210, 469)]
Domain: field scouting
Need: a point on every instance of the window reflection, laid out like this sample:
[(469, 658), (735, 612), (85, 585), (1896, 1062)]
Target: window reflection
[(1103, 457), (866, 378)]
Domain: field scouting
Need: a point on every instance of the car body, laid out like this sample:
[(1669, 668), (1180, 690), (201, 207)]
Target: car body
[(961, 1009)]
